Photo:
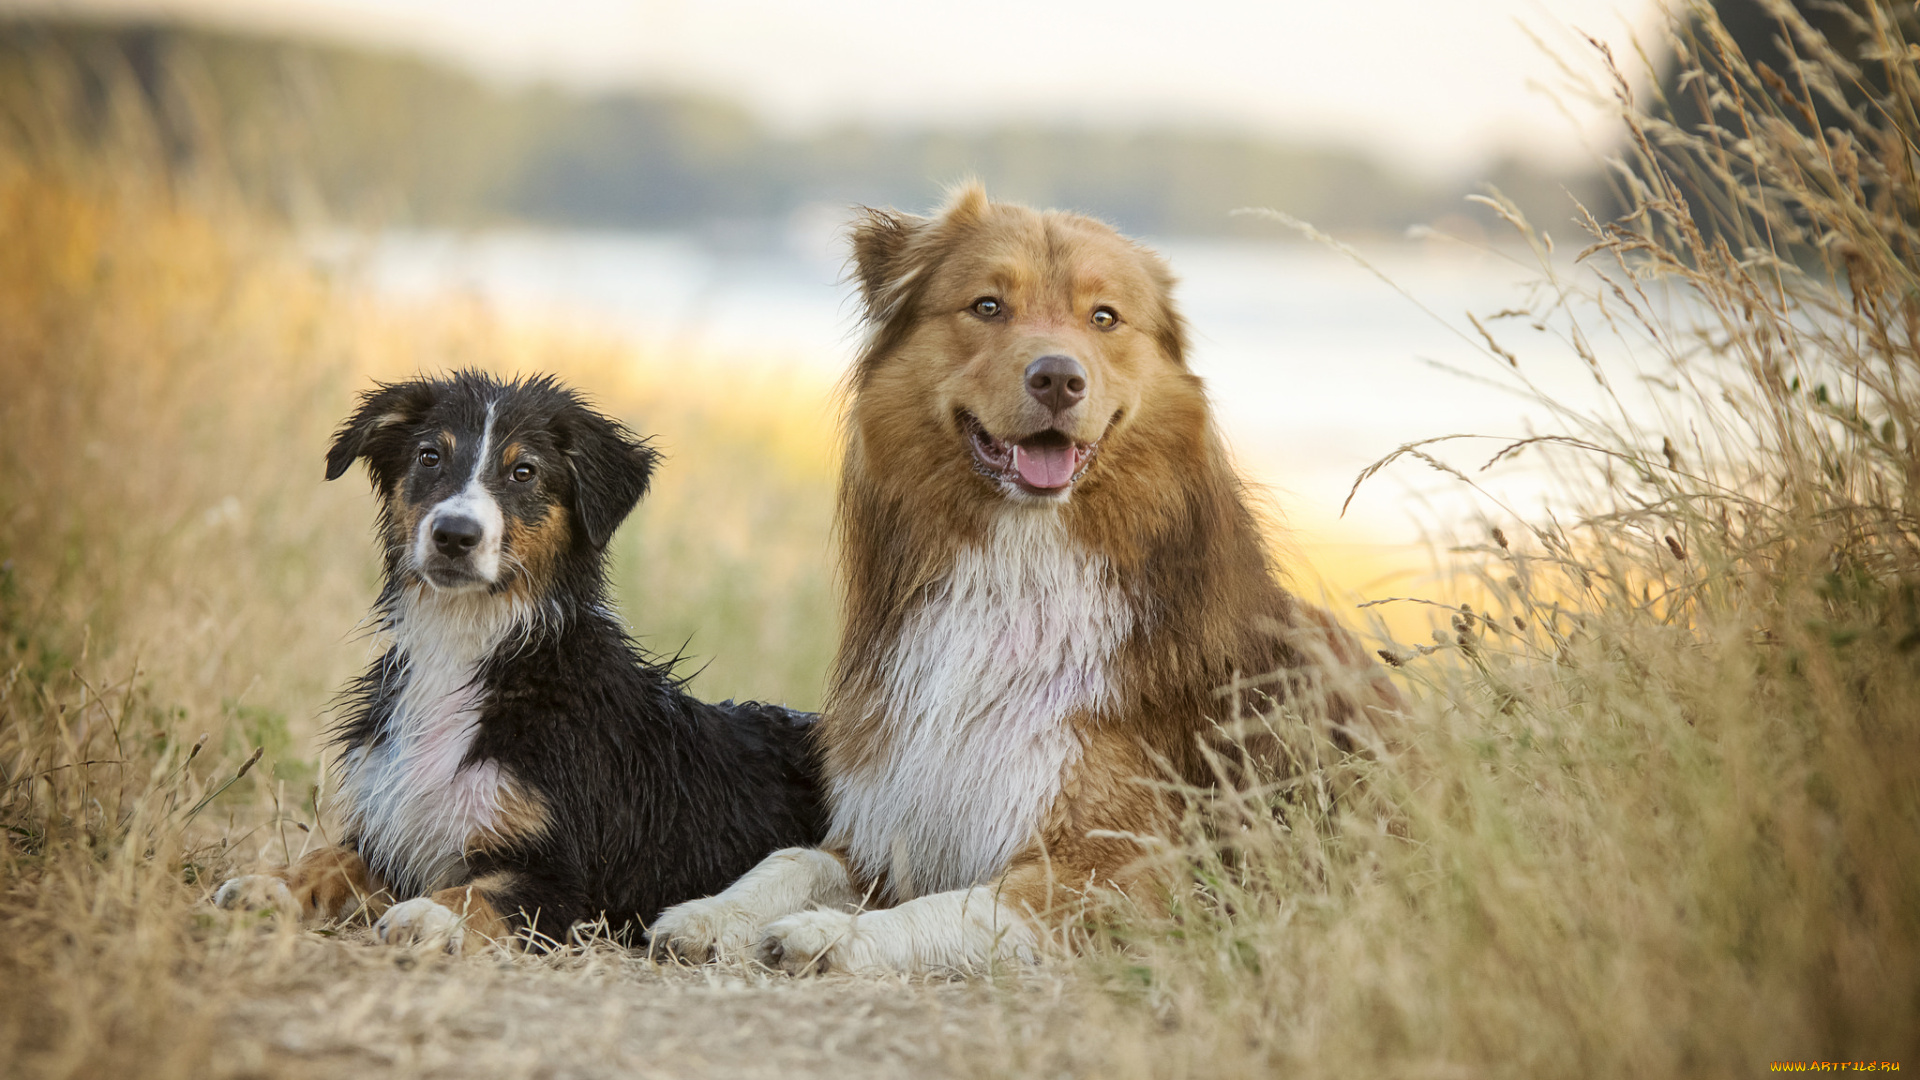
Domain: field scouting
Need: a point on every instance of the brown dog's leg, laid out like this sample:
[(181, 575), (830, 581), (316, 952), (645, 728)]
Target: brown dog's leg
[(1093, 845), (728, 925)]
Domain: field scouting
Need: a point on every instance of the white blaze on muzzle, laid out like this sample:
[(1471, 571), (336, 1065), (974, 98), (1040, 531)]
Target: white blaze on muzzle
[(472, 522)]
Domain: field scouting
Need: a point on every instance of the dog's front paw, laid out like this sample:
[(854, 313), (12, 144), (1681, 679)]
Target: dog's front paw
[(255, 891), (820, 941), (424, 923), (701, 930)]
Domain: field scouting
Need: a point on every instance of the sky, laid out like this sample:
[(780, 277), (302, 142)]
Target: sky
[(1433, 86)]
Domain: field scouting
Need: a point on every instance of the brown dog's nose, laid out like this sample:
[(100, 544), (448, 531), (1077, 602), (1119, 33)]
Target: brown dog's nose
[(1058, 382)]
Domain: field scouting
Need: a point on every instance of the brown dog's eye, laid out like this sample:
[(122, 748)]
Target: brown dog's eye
[(429, 458), (1105, 318), (522, 472), (987, 307)]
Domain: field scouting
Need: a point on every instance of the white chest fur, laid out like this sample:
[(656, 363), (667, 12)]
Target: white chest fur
[(410, 796), (977, 699)]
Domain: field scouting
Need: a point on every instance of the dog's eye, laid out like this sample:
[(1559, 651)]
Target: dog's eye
[(522, 472), (988, 307), (429, 458), (1105, 318)]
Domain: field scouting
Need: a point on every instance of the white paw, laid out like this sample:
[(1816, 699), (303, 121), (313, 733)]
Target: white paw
[(424, 923), (819, 941), (255, 891), (701, 930)]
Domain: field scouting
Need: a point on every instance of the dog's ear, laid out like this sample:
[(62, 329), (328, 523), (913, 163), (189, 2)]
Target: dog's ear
[(881, 242), (610, 468), (1171, 332), (385, 412), (893, 252)]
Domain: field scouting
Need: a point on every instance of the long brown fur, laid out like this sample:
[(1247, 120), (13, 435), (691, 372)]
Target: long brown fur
[(1161, 502)]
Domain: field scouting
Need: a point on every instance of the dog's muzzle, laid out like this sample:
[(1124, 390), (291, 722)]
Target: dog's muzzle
[(457, 547)]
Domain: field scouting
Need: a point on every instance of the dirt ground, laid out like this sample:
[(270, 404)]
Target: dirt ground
[(350, 1008)]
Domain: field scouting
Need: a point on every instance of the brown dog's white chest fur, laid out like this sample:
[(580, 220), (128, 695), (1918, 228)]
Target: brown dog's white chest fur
[(979, 702)]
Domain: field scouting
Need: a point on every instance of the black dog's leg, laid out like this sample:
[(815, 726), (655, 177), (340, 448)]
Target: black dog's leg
[(509, 901)]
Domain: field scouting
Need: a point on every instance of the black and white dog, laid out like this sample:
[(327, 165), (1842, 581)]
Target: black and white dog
[(513, 762)]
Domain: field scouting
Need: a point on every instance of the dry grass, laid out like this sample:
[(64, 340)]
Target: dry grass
[(1657, 811), (172, 566)]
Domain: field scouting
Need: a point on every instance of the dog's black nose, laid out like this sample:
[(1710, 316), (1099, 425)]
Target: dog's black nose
[(455, 535), (1058, 382)]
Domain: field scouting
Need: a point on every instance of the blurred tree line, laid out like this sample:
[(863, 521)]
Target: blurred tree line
[(367, 135), (329, 132)]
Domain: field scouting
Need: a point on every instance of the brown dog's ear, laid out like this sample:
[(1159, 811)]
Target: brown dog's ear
[(967, 203), (883, 245), (385, 412), (1172, 330), (894, 252)]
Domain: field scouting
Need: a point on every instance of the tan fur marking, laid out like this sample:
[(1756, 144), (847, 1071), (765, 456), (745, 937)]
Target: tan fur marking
[(332, 883), (536, 548), (522, 816), (403, 520), (474, 902)]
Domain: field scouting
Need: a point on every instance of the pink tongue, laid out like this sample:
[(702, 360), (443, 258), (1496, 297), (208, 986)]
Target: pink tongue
[(1044, 466)]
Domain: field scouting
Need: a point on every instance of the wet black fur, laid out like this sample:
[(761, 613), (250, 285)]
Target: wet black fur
[(653, 797)]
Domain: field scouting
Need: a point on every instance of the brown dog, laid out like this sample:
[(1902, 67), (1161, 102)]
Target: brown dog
[(1050, 572)]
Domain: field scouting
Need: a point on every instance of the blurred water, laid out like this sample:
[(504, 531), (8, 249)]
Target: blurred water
[(1315, 365)]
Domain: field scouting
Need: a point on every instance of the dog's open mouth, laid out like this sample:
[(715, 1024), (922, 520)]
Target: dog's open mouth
[(1046, 463)]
